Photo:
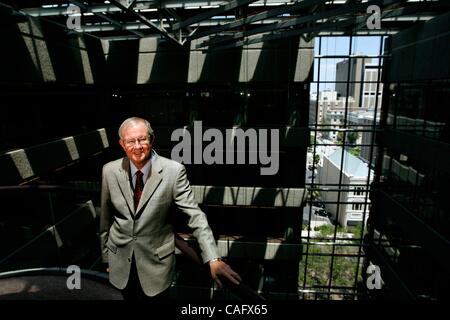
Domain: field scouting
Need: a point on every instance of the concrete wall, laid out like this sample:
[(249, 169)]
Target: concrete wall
[(38, 51), (154, 60), (329, 174), (25, 164)]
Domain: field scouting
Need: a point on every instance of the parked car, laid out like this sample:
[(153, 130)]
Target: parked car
[(322, 212), (318, 203)]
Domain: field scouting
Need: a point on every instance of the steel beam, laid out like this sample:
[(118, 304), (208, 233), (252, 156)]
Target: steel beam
[(139, 25), (146, 21), (109, 8), (292, 33), (171, 12), (211, 13), (105, 17), (287, 24), (260, 16), (343, 10), (42, 18)]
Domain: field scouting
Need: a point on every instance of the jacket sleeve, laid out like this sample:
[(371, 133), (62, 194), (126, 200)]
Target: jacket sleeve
[(185, 201), (105, 216)]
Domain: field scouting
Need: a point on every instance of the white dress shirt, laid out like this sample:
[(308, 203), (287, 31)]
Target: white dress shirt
[(146, 169)]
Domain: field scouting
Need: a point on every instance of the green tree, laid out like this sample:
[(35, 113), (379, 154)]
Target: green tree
[(356, 151), (312, 195), (350, 137), (316, 159)]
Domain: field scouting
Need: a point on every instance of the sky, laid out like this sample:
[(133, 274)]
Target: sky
[(330, 46)]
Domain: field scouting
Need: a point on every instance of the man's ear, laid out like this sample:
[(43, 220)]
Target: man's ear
[(122, 144), (152, 138)]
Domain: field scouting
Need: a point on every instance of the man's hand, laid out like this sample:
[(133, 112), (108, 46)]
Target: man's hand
[(220, 268)]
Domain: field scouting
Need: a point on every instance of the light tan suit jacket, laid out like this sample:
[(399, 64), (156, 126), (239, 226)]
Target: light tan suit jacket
[(146, 231)]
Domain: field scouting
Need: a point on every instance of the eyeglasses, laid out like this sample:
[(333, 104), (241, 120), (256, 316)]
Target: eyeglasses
[(141, 141)]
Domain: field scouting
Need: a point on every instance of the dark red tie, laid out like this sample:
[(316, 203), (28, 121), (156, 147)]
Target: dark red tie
[(138, 188)]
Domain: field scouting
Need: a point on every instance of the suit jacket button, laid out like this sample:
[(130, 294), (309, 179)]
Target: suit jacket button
[(129, 259)]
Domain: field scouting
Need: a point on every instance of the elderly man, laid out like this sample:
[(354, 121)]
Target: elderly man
[(137, 241)]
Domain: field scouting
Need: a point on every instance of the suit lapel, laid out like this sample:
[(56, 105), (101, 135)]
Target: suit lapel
[(151, 184), (125, 184)]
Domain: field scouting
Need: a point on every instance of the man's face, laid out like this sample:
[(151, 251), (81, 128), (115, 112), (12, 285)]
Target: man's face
[(136, 143)]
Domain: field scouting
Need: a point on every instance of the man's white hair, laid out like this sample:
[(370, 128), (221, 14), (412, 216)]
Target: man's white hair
[(133, 121)]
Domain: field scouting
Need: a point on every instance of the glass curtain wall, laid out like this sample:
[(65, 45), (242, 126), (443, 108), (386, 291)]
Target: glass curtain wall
[(345, 103)]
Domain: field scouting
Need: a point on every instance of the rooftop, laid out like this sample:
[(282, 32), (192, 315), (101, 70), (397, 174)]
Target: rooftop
[(351, 165)]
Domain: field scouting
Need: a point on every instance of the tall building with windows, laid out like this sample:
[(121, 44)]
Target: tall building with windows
[(334, 113), (365, 122), (363, 81), (372, 88), (330, 110)]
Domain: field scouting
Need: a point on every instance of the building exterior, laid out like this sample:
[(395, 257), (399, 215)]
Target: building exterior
[(352, 204), (326, 98), (330, 110), (364, 121), (334, 112), (370, 88), (355, 77), (363, 77)]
